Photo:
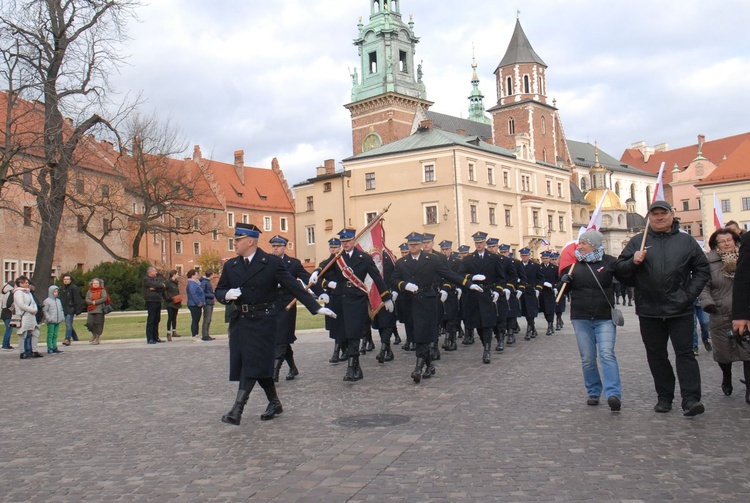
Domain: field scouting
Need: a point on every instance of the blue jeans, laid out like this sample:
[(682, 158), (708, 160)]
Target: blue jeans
[(593, 335), (8, 332), (700, 318), (70, 333)]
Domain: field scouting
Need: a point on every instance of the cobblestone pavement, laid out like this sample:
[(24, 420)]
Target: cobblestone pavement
[(131, 422)]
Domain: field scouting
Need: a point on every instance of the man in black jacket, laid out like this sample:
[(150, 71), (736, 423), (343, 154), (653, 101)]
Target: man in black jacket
[(668, 275), (153, 292), (70, 296)]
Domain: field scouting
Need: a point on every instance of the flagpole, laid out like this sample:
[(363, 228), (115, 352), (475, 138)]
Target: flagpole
[(562, 288), (659, 188), (367, 228)]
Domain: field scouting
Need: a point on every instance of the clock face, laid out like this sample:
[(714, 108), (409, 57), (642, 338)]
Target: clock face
[(371, 141)]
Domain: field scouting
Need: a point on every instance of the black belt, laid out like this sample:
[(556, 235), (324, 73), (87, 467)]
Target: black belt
[(349, 284), (246, 308)]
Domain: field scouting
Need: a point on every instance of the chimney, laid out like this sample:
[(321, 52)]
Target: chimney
[(701, 141), (425, 125), (239, 165), (330, 166), (320, 171), (462, 132), (661, 147), (197, 155)]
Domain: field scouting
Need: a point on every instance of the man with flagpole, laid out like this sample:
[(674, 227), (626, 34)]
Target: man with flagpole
[(668, 274)]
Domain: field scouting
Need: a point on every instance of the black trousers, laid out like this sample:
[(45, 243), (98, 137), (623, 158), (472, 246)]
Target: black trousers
[(655, 333), (171, 318), (153, 318)]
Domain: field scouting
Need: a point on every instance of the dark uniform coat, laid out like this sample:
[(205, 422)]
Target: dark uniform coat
[(384, 319), (509, 273), (451, 306), (349, 302), (529, 303), (421, 308), (549, 273), (741, 292), (319, 290), (519, 283), (288, 318), (481, 311), (253, 323)]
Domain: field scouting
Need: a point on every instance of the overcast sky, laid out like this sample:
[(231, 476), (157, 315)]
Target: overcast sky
[(271, 77)]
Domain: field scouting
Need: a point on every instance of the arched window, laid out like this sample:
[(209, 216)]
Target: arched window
[(526, 84), (617, 188), (544, 154), (584, 215), (632, 191), (509, 86), (544, 126), (511, 126), (619, 220), (648, 193), (584, 187)]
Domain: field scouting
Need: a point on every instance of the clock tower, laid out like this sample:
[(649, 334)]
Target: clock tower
[(387, 92)]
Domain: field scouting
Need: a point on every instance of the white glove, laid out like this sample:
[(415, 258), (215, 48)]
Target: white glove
[(394, 296), (476, 288), (389, 305), (478, 277), (326, 311), (519, 294), (313, 277), (331, 285), (233, 294), (507, 293), (537, 293), (555, 291), (495, 296), (324, 297), (458, 293), (548, 284), (411, 287), (443, 295)]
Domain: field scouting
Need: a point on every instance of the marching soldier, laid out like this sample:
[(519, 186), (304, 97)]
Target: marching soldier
[(547, 296), (339, 348), (349, 298), (287, 317), (529, 300), (451, 311), (414, 279), (250, 281), (385, 321), (503, 303), (518, 280), (560, 306), (483, 268)]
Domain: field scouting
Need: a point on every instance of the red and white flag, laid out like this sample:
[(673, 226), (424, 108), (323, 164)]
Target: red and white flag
[(568, 253), (373, 243), (659, 192), (718, 214)]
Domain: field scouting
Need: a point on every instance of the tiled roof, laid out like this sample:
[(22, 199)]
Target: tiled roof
[(582, 154), (453, 124), (576, 196), (262, 189), (735, 169), (520, 50), (713, 150)]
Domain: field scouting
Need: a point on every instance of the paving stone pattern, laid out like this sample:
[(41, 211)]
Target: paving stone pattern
[(131, 422)]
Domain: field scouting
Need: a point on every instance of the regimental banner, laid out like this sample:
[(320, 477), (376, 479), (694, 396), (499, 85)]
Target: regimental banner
[(373, 243)]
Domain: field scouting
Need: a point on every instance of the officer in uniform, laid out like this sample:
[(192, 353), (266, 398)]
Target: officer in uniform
[(529, 300), (484, 268), (428, 242), (385, 321), (463, 251), (451, 311), (350, 300), (518, 282), (287, 317), (250, 281), (503, 306), (334, 246), (560, 306), (414, 279), (550, 277)]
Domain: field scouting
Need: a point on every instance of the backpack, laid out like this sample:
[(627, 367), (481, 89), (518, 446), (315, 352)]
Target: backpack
[(8, 309)]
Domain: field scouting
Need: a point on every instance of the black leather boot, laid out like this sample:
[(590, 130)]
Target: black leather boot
[(381, 356), (500, 341), (559, 323), (370, 344), (234, 416), (358, 375), (350, 370), (274, 404), (527, 337), (417, 373), (429, 369), (460, 331), (396, 338), (293, 370), (446, 342), (486, 355), (533, 330), (511, 339), (335, 357), (388, 352), (363, 347), (277, 369), (406, 345), (412, 346), (550, 329), (434, 352), (469, 337)]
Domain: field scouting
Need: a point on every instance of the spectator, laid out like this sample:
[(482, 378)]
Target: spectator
[(196, 300), (54, 314), (6, 301), (173, 301), (72, 302), (208, 307), (96, 298), (735, 227), (591, 290), (741, 300), (153, 291), (668, 275), (25, 308)]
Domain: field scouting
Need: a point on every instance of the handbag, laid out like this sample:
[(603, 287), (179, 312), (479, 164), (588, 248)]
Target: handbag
[(177, 299), (15, 320), (107, 308), (617, 317)]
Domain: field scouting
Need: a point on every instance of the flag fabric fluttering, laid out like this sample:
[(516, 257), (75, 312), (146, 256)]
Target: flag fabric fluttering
[(545, 242), (568, 253), (659, 191), (373, 243), (718, 214)]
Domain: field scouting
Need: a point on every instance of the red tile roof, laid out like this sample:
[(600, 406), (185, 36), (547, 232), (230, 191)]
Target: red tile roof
[(736, 168), (714, 151), (263, 188)]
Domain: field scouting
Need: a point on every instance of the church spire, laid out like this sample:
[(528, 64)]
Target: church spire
[(476, 98), (520, 50)]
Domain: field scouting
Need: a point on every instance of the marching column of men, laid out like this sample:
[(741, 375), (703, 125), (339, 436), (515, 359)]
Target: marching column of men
[(549, 276)]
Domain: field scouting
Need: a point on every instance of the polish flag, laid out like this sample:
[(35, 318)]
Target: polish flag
[(718, 215), (568, 253), (659, 192), (373, 243)]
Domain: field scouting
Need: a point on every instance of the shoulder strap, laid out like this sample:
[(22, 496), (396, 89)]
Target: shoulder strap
[(600, 285)]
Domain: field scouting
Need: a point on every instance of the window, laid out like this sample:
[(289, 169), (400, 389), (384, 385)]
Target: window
[(508, 222), (310, 206), (27, 268), (196, 224), (560, 189), (369, 216), (329, 224), (511, 126), (215, 234), (10, 270), (196, 248), (526, 84), (80, 223), (508, 86), (373, 57), (648, 193), (544, 126), (245, 218), (430, 215), (685, 205), (177, 222), (617, 188), (526, 183), (429, 173), (506, 178), (632, 192), (26, 178), (80, 189), (544, 154), (745, 203), (490, 175), (283, 225), (369, 181), (550, 222), (549, 187), (699, 203), (535, 219), (178, 268), (310, 233), (27, 216), (230, 244), (105, 190), (492, 216), (472, 176), (267, 224), (561, 223), (327, 187), (178, 247), (155, 237), (688, 228), (584, 188), (230, 219), (402, 61), (473, 212), (726, 205), (700, 228)]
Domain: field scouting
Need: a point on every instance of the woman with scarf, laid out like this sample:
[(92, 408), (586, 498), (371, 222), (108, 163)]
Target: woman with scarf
[(716, 299), (26, 308), (96, 298), (591, 289)]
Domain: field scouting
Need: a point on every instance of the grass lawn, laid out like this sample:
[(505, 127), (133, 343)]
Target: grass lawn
[(132, 325)]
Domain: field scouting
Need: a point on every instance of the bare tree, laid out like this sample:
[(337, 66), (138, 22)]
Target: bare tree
[(63, 52)]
